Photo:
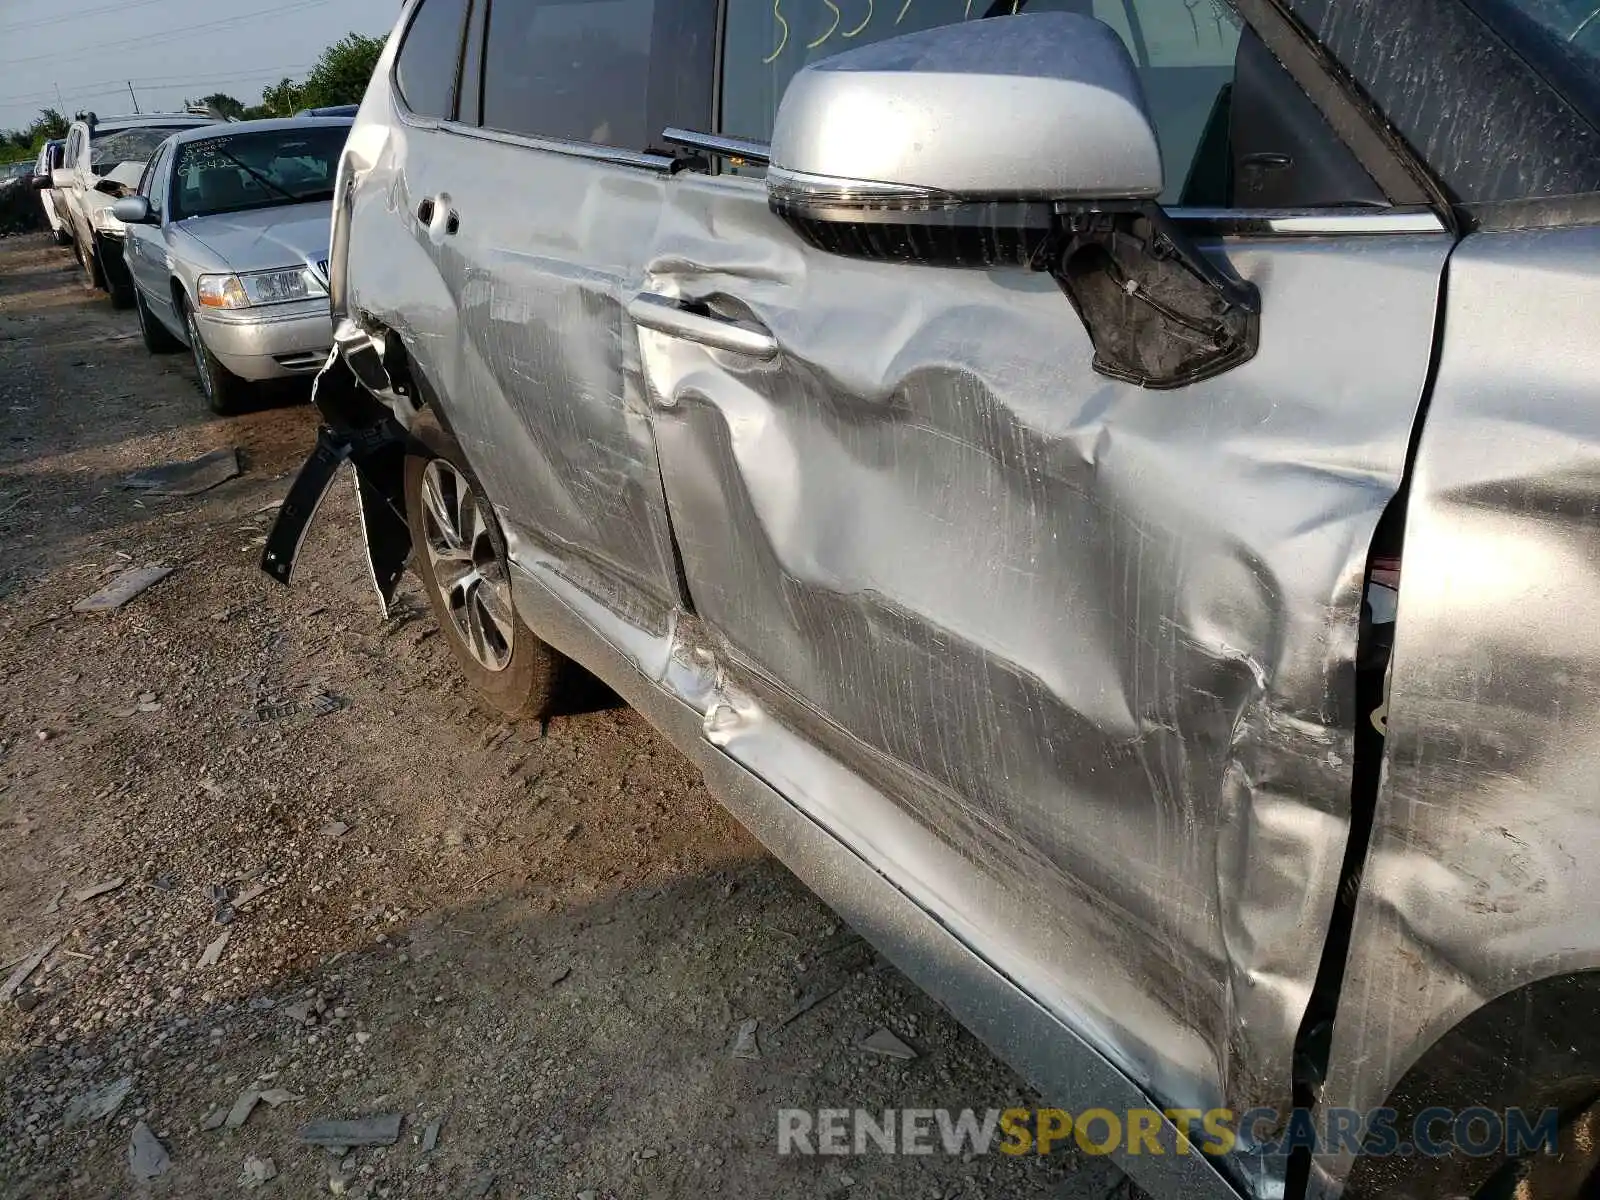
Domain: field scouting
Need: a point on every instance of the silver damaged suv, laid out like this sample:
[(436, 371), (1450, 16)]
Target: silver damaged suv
[(1107, 490)]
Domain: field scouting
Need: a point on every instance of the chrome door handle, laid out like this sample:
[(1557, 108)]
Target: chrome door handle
[(677, 319)]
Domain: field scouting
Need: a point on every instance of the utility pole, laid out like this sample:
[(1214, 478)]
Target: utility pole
[(135, 98), (61, 105)]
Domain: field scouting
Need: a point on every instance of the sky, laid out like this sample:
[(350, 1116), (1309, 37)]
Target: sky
[(170, 49)]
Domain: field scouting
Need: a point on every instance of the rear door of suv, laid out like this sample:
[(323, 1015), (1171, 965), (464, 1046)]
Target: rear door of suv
[(520, 188)]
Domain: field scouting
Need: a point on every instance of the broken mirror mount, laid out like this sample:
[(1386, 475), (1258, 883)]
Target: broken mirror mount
[(1159, 311), (1025, 142)]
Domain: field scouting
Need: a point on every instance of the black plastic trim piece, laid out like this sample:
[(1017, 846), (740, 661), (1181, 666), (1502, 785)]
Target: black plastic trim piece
[(1357, 122)]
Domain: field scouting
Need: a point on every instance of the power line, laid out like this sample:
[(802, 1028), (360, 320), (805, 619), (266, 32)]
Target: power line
[(165, 35), (84, 89), (85, 12)]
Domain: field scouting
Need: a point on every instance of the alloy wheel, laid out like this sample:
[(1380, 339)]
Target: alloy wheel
[(468, 565)]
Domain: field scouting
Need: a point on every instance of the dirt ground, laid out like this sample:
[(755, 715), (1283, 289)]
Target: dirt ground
[(536, 946)]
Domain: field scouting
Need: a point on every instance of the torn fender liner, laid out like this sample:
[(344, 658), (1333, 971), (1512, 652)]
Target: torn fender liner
[(300, 506), (380, 495), (376, 449)]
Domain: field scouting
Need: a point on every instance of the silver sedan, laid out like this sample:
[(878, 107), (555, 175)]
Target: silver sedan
[(228, 246)]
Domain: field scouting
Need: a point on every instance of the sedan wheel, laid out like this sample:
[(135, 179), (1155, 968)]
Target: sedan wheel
[(225, 392)]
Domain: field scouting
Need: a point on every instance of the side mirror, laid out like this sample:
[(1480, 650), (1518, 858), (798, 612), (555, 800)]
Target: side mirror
[(41, 182), (132, 210), (1023, 140), (1041, 106)]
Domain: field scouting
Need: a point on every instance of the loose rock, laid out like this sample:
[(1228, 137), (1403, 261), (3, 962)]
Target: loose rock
[(147, 1157), (368, 1131), (745, 1044), (257, 1171), (885, 1043), (97, 1105), (99, 889), (27, 967), (213, 952), (122, 589)]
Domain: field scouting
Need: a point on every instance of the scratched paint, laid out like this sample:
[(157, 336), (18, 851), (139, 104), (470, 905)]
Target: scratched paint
[(1069, 663), (1085, 650)]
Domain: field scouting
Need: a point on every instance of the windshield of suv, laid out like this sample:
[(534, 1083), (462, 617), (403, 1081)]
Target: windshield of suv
[(233, 172), (114, 147)]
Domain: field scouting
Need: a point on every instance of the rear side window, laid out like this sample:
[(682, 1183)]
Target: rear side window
[(574, 71), (425, 69), (154, 184)]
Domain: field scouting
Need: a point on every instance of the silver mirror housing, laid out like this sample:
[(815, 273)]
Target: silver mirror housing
[(131, 210), (1023, 140), (1044, 106)]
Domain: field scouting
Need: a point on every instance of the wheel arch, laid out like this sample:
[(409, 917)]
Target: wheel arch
[(1535, 1048)]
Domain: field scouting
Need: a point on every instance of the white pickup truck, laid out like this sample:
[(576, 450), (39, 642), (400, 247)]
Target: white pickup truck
[(102, 161)]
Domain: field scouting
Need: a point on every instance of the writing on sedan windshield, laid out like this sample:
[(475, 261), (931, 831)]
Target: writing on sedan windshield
[(231, 173)]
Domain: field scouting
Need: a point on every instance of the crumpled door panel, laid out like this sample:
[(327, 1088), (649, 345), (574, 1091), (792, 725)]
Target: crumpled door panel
[(1092, 644)]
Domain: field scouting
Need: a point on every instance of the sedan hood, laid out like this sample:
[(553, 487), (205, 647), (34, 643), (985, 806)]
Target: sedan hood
[(265, 238)]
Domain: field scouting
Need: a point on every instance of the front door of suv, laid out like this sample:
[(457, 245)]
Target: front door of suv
[(1069, 661)]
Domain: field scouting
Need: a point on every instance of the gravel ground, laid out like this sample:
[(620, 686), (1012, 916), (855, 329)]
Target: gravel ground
[(535, 946)]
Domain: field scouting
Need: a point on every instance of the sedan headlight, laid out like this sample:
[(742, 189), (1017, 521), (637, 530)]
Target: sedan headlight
[(260, 287)]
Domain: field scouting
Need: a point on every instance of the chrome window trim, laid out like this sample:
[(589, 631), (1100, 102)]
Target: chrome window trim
[(1312, 222), (612, 155), (587, 150), (712, 143)]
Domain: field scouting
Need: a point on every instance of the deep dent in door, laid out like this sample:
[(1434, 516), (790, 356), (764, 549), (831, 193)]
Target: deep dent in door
[(1082, 655)]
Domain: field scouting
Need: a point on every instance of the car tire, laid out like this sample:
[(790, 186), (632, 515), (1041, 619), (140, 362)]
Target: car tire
[(460, 554), (113, 272), (157, 337), (224, 391)]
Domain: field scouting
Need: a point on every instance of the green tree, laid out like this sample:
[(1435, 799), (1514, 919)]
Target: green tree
[(342, 73), (223, 105), (49, 124), (20, 143), (282, 98)]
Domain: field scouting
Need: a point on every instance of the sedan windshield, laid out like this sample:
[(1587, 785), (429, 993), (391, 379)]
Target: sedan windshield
[(234, 172), (117, 146)]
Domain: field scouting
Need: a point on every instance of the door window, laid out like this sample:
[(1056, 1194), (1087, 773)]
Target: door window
[(578, 71), (425, 69), (1184, 50)]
